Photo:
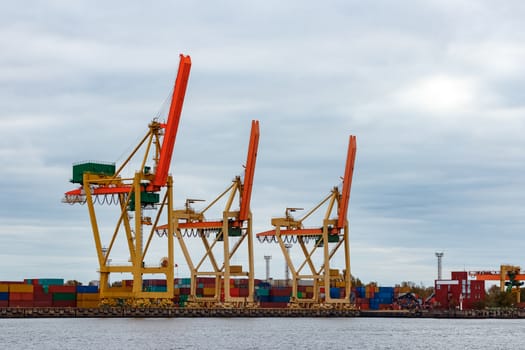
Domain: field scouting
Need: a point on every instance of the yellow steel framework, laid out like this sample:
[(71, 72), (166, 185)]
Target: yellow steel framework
[(329, 239), (233, 232), (133, 196)]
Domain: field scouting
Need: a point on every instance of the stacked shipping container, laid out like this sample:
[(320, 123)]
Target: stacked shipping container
[(53, 292)]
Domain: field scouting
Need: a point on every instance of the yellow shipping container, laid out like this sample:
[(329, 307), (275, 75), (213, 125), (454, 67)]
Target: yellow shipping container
[(4, 288), (334, 272), (208, 292), (176, 291), (235, 268), (20, 288), (309, 289), (88, 304), (88, 297)]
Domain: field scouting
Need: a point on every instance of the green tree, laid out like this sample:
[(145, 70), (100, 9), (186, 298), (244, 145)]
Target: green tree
[(496, 298), (420, 290)]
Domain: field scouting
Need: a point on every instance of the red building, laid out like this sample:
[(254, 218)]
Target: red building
[(458, 292)]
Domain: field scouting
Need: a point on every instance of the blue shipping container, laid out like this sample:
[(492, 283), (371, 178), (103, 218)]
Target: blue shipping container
[(387, 290), (263, 298), (87, 289), (335, 293), (361, 292), (4, 296), (280, 299)]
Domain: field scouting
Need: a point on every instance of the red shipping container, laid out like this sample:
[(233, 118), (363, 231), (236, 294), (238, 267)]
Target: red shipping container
[(21, 296), (154, 282), (62, 289), (127, 283), (244, 292), (4, 303), (43, 297), (64, 303), (363, 306), (234, 292), (20, 303), (281, 292), (267, 304), (205, 280), (42, 303)]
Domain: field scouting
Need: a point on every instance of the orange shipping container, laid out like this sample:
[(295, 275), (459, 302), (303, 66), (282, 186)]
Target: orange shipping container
[(4, 288), (21, 288)]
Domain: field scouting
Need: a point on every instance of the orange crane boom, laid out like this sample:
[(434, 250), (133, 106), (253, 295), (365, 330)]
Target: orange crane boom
[(347, 182), (249, 172), (172, 125)]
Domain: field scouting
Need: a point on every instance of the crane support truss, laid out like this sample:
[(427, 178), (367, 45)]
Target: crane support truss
[(233, 232), (333, 235), (135, 194)]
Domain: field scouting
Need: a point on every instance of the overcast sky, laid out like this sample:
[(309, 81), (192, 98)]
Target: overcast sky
[(433, 90)]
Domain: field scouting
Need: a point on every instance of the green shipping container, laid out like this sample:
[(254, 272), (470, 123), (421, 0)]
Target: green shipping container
[(51, 281), (155, 289), (146, 198), (263, 292), (64, 296), (107, 169)]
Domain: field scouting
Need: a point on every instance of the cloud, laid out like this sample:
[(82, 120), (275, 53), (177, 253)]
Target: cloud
[(438, 94)]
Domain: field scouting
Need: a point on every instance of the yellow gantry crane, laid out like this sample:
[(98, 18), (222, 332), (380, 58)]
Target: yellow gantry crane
[(509, 276), (102, 183), (221, 239), (332, 235)]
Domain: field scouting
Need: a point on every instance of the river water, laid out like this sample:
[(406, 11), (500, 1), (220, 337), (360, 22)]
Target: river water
[(260, 333)]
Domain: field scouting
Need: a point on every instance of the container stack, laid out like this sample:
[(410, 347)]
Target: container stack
[(87, 296), (361, 301), (382, 299), (182, 291), (154, 285), (63, 296), (262, 292), (279, 297), (239, 287), (20, 295), (4, 295), (206, 285)]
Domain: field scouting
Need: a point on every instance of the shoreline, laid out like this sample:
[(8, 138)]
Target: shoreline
[(125, 312)]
